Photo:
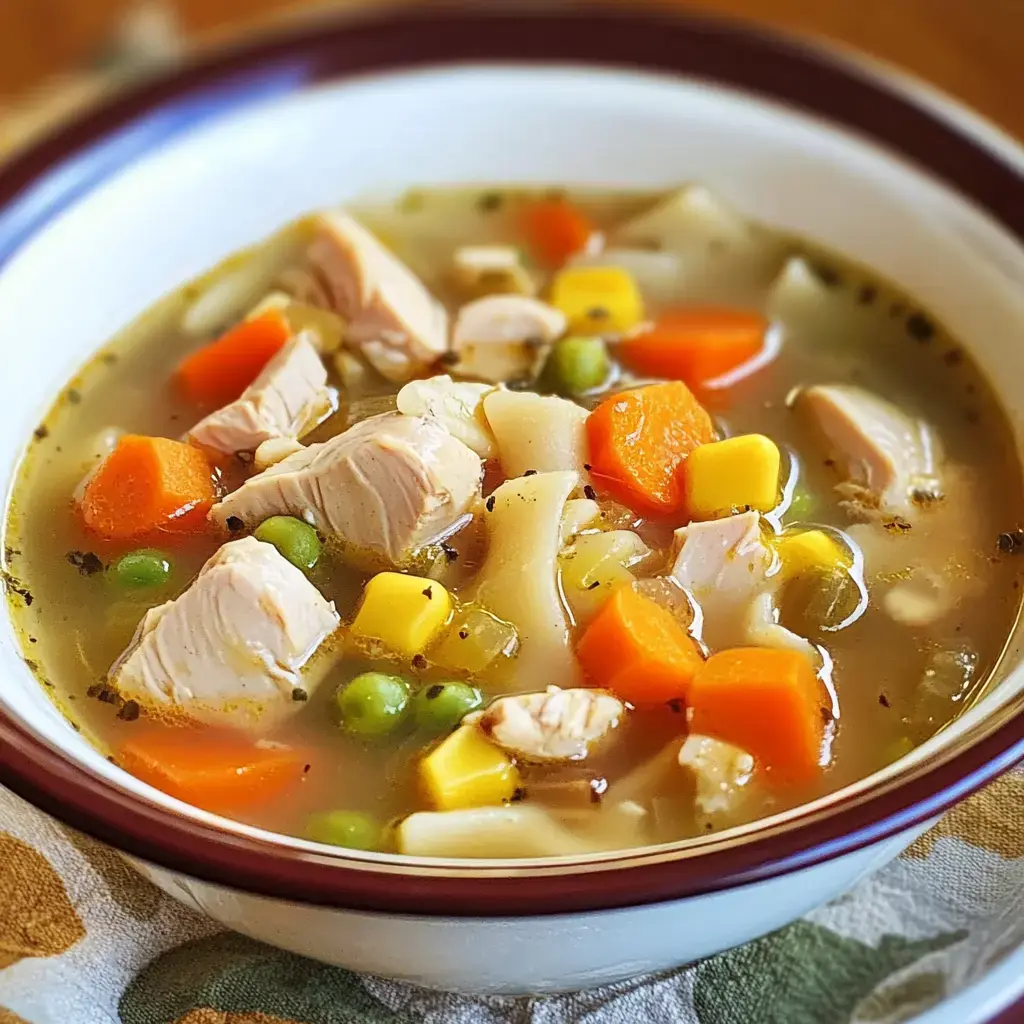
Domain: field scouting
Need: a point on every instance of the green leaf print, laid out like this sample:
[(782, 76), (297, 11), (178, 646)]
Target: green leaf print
[(803, 974), (235, 975)]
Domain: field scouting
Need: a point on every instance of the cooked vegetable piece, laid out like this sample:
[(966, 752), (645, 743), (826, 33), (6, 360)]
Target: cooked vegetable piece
[(351, 829), (802, 505), (475, 640), (638, 651), (217, 771), (219, 372), (695, 345), (605, 300), (439, 707), (296, 540), (148, 485), (373, 704), (457, 404), (820, 600), (481, 270), (803, 551), (739, 473), (467, 770), (640, 438), (594, 565), (555, 230), (767, 702), (577, 365), (141, 570), (405, 613)]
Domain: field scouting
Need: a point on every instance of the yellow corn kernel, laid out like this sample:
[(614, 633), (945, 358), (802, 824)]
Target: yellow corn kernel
[(803, 551), (598, 299), (467, 770), (405, 613), (737, 473)]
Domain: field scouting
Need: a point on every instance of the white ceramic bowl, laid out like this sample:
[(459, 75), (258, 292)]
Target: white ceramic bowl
[(101, 221)]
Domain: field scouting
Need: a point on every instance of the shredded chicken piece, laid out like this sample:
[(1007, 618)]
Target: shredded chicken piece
[(557, 725)]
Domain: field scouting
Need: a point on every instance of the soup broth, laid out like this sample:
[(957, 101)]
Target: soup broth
[(895, 599)]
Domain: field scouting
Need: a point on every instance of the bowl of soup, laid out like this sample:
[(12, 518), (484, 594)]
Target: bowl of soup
[(457, 501)]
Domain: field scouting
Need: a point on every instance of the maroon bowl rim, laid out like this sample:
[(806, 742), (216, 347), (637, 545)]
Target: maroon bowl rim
[(646, 39)]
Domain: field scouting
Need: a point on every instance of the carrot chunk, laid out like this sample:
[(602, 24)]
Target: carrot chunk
[(219, 372), (554, 230), (637, 650), (696, 345), (215, 771), (639, 439), (766, 701), (148, 485)]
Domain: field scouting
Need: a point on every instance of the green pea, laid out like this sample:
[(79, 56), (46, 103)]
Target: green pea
[(802, 506), (296, 540), (439, 707), (351, 829), (578, 364), (140, 570), (373, 704)]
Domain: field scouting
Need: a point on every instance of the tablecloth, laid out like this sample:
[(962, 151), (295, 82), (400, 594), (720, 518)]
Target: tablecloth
[(85, 940)]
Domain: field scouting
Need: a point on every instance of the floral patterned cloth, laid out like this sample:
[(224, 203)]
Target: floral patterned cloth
[(85, 940)]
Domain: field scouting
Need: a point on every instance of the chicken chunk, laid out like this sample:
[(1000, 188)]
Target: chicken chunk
[(491, 270), (884, 454), (720, 774), (393, 321), (557, 725), (287, 399), (724, 565), (504, 337), (387, 486), (232, 649)]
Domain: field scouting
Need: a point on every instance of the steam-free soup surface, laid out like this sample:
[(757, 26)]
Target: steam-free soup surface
[(761, 542)]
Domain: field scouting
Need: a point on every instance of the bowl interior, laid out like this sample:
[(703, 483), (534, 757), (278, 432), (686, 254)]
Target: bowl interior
[(191, 199)]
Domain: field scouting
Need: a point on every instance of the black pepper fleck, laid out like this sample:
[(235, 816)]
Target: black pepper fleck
[(518, 794), (1011, 543), (95, 690), (428, 593), (489, 202), (74, 397), (86, 562), (305, 769), (587, 466), (129, 712), (299, 694), (435, 691), (463, 634), (920, 328), (594, 585), (675, 705), (590, 492), (489, 504), (867, 295), (530, 472), (41, 433), (896, 525), (449, 552), (234, 524), (954, 357), (883, 700), (418, 661)]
